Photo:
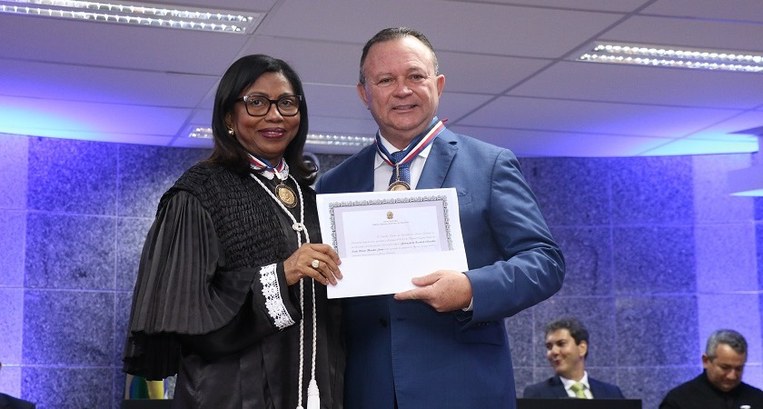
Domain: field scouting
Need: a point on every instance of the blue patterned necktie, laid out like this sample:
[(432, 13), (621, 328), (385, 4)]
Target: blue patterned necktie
[(404, 169)]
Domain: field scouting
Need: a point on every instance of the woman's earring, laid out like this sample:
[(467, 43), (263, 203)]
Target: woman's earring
[(230, 132)]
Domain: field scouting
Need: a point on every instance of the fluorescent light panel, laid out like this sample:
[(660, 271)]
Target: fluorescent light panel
[(339, 140), (141, 14), (312, 139), (662, 56)]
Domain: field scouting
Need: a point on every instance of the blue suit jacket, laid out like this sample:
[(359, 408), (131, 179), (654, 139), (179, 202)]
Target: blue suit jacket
[(554, 388), (425, 359)]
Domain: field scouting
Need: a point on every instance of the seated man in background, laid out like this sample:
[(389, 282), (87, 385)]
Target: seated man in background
[(566, 351), (720, 384), (9, 402)]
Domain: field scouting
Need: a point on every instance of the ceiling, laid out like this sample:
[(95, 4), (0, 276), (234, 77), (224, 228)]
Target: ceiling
[(510, 65)]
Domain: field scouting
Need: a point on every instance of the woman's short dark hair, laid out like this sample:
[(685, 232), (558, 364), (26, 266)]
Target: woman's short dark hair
[(228, 151)]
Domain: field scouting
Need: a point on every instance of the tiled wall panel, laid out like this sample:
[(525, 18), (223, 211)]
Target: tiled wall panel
[(655, 252)]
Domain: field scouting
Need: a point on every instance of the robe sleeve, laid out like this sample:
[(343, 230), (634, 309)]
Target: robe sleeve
[(186, 300)]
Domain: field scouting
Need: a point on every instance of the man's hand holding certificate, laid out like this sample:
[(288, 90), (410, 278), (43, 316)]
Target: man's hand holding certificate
[(385, 239)]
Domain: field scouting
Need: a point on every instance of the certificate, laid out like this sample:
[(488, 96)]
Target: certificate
[(384, 239)]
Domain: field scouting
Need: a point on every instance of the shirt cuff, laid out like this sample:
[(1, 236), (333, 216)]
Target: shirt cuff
[(470, 306), (471, 303)]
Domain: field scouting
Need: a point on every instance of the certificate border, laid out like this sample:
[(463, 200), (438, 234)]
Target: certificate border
[(402, 200)]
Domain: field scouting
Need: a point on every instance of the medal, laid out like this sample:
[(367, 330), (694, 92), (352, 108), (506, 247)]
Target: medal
[(286, 195), (399, 185), (401, 160)]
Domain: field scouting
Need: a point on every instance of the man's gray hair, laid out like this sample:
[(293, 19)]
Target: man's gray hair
[(729, 337), (394, 33)]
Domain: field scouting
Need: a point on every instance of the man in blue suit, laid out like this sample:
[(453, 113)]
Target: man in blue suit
[(443, 344), (566, 351)]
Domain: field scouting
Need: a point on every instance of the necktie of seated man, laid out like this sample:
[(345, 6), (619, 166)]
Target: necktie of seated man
[(404, 168), (579, 390)]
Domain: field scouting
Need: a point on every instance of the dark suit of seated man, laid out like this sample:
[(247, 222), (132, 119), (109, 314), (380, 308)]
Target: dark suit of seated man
[(720, 384), (9, 402), (566, 351)]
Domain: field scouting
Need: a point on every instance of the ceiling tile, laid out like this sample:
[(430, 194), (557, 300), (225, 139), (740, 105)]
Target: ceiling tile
[(107, 85), (489, 74), (41, 117), (110, 82), (743, 10), (594, 117), (646, 85), (727, 35), (538, 143)]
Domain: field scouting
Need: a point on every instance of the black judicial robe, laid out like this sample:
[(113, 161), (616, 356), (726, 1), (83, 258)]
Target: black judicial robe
[(211, 302)]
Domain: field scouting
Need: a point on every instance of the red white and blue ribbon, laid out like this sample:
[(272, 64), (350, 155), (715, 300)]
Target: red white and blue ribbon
[(262, 166), (415, 147)]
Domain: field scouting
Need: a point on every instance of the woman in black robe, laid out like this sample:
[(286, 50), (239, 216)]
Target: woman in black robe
[(230, 293)]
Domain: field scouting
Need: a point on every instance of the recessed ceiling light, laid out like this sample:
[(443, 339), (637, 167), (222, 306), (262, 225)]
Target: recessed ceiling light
[(664, 56), (312, 139), (339, 140), (141, 14), (200, 133)]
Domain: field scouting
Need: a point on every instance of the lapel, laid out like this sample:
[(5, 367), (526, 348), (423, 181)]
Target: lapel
[(596, 391), (360, 177), (444, 149), (558, 388)]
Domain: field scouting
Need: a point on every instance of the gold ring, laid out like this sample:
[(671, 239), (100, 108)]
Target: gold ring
[(315, 264)]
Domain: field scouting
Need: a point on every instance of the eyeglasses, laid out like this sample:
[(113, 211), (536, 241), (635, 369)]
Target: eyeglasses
[(258, 105)]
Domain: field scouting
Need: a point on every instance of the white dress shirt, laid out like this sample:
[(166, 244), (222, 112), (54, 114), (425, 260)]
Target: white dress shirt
[(383, 172), (569, 382)]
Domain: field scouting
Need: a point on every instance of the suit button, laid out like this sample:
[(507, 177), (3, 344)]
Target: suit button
[(383, 322)]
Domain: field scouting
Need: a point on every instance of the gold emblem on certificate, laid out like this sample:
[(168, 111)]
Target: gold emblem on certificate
[(399, 185), (286, 195)]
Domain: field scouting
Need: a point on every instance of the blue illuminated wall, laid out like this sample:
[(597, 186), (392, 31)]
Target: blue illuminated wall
[(658, 257), (73, 216)]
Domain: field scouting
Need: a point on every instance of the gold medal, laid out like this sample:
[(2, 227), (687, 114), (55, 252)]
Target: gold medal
[(399, 185), (286, 195)]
